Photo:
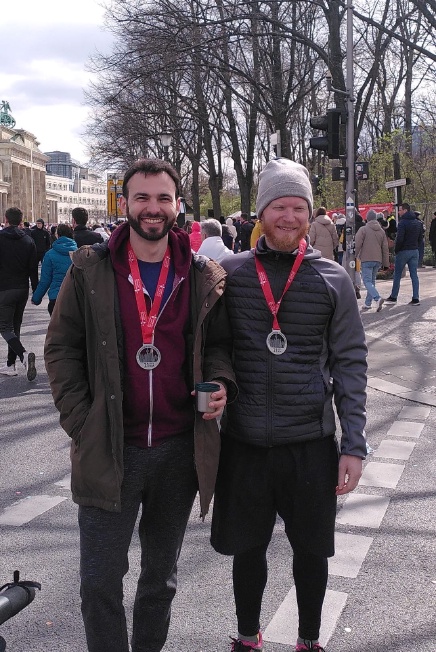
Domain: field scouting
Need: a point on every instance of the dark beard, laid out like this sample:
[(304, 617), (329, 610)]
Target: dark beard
[(151, 237)]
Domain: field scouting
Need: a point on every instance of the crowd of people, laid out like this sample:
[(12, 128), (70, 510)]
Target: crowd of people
[(257, 309), (24, 250)]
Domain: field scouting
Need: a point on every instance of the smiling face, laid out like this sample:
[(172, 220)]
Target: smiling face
[(151, 206), (285, 221)]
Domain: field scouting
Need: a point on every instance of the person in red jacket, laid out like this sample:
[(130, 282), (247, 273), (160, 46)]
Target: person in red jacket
[(195, 236)]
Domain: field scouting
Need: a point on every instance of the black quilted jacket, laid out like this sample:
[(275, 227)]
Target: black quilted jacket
[(286, 398)]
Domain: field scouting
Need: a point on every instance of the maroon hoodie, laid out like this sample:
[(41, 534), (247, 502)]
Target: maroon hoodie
[(157, 403)]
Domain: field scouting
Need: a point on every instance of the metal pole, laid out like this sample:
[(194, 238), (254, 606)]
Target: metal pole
[(31, 182), (116, 199), (350, 192), (279, 144)]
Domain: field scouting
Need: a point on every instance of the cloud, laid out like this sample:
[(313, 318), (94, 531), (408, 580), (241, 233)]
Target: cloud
[(45, 56), (62, 43)]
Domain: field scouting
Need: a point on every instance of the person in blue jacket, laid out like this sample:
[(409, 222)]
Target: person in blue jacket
[(54, 266)]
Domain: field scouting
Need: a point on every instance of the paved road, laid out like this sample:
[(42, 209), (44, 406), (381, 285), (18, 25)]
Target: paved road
[(382, 582)]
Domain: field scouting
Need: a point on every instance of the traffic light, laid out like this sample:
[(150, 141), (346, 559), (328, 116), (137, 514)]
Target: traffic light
[(332, 142)]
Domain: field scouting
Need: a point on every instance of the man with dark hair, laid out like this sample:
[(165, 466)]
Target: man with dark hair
[(247, 226), (41, 237), (26, 228), (138, 322), (410, 233), (83, 235), (298, 343), (18, 264)]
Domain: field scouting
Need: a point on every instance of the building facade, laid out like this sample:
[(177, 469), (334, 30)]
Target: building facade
[(87, 190), (22, 174), (25, 182)]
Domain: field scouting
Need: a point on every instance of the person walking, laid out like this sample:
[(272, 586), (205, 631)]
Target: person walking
[(410, 233), (373, 252), (298, 343), (323, 235), (138, 322), (18, 265), (55, 265), (83, 235), (41, 238)]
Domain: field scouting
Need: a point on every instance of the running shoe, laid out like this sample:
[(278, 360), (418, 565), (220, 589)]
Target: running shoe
[(239, 645), (31, 368), (8, 371), (302, 647)]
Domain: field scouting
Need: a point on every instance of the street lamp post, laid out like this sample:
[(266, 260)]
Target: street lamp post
[(165, 139)]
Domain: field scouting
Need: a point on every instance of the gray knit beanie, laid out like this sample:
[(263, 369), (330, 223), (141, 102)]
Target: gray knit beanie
[(371, 215), (283, 178)]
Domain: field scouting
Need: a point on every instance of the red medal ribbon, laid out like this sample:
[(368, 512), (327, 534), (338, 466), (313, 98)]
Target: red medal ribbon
[(266, 287), (148, 321)]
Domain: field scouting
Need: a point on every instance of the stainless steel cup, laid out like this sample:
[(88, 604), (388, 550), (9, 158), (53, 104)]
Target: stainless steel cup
[(202, 394)]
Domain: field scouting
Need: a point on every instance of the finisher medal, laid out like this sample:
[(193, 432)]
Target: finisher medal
[(276, 342), (148, 356)]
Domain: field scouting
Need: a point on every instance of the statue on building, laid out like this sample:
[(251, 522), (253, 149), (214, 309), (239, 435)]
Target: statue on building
[(6, 118)]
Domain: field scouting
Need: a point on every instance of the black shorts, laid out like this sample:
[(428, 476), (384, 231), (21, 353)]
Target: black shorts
[(254, 484)]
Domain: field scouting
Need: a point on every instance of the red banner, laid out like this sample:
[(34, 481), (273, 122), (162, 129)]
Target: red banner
[(364, 208)]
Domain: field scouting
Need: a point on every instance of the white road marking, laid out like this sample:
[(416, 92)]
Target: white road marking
[(381, 474), (283, 627), (363, 510), (414, 412), (350, 552), (405, 429), (395, 449), (25, 510)]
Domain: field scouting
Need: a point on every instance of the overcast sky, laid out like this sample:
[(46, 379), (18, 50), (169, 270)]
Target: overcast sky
[(44, 48)]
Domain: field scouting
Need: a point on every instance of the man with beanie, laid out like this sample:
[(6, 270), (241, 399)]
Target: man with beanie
[(298, 342), (373, 252), (410, 233)]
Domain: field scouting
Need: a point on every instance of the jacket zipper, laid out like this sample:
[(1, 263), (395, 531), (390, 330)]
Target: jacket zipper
[(150, 377)]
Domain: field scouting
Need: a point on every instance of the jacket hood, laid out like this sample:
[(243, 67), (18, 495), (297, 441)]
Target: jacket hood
[(13, 232), (263, 249), (374, 225), (196, 228), (64, 245), (323, 219)]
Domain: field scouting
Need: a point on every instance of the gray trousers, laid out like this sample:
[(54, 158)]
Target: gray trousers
[(163, 481)]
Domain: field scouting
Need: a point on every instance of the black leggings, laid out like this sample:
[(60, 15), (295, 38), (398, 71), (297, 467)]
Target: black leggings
[(250, 573)]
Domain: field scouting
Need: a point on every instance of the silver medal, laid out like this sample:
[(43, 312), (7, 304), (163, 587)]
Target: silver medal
[(276, 342), (148, 356)]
